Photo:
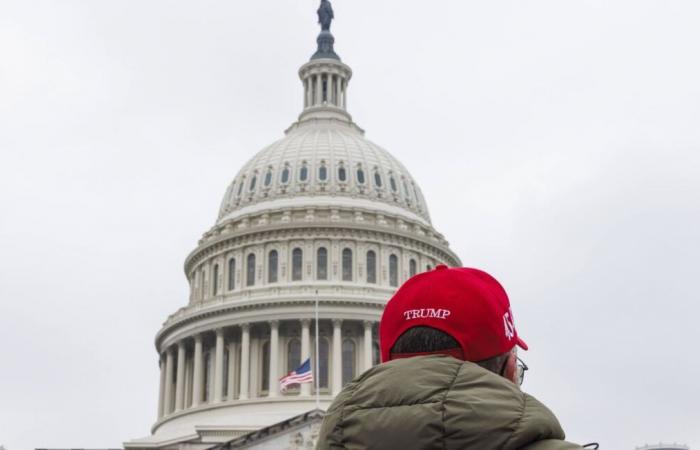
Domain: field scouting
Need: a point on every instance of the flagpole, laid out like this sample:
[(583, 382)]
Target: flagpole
[(316, 377)]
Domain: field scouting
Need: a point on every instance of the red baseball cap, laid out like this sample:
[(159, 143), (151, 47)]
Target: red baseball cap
[(468, 304)]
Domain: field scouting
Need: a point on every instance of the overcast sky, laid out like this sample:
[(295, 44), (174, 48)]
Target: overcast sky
[(557, 144)]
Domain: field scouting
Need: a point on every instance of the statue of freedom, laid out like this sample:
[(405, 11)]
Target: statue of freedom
[(325, 15)]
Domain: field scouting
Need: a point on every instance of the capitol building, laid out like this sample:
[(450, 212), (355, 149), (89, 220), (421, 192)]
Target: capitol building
[(321, 223)]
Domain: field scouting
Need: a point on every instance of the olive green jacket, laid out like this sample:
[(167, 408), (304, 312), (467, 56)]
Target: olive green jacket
[(437, 402)]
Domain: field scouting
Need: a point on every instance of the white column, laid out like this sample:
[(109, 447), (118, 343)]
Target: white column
[(319, 89), (245, 362), (345, 95), (330, 89), (198, 376), (180, 380), (273, 389), (368, 345), (231, 371), (219, 366), (337, 357), (305, 353), (311, 90), (307, 92), (168, 405), (161, 393), (338, 82)]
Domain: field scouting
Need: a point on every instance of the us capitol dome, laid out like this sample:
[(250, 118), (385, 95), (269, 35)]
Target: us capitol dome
[(321, 217)]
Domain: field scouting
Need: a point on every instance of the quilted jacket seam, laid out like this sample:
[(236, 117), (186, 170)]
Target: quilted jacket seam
[(444, 410), (517, 423), (341, 421)]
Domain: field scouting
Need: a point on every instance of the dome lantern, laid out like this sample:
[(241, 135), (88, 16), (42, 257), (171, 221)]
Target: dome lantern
[(325, 77)]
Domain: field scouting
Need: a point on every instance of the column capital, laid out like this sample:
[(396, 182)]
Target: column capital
[(274, 323), (181, 344), (305, 322), (245, 327), (197, 337), (219, 332), (368, 323), (337, 322)]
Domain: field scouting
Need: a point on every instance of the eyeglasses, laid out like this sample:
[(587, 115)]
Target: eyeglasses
[(521, 368)]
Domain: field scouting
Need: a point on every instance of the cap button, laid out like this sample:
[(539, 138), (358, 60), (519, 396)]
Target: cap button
[(440, 267)]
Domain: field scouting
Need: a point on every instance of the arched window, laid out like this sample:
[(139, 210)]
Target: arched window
[(285, 175), (231, 274), (392, 182), (371, 267), (377, 179), (342, 174), (412, 267), (322, 263), (348, 361), (360, 176), (293, 355), (252, 183), (272, 260), (240, 187), (322, 173), (376, 354), (428, 268), (296, 264), (250, 270), (268, 177), (303, 173), (393, 270), (265, 375), (215, 280), (347, 264), (322, 363)]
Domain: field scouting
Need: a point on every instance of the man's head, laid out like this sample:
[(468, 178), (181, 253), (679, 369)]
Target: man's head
[(461, 312), (425, 340)]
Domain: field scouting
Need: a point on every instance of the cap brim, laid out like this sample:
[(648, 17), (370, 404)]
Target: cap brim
[(521, 344)]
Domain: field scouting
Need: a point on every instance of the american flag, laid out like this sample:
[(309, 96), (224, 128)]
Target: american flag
[(301, 374)]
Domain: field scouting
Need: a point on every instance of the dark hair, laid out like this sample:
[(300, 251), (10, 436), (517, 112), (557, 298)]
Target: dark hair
[(423, 339), (426, 339)]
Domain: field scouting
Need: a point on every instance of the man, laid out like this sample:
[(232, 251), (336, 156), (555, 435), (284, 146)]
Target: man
[(450, 378)]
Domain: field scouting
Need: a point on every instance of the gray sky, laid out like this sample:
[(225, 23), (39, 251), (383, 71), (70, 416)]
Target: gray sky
[(557, 144)]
